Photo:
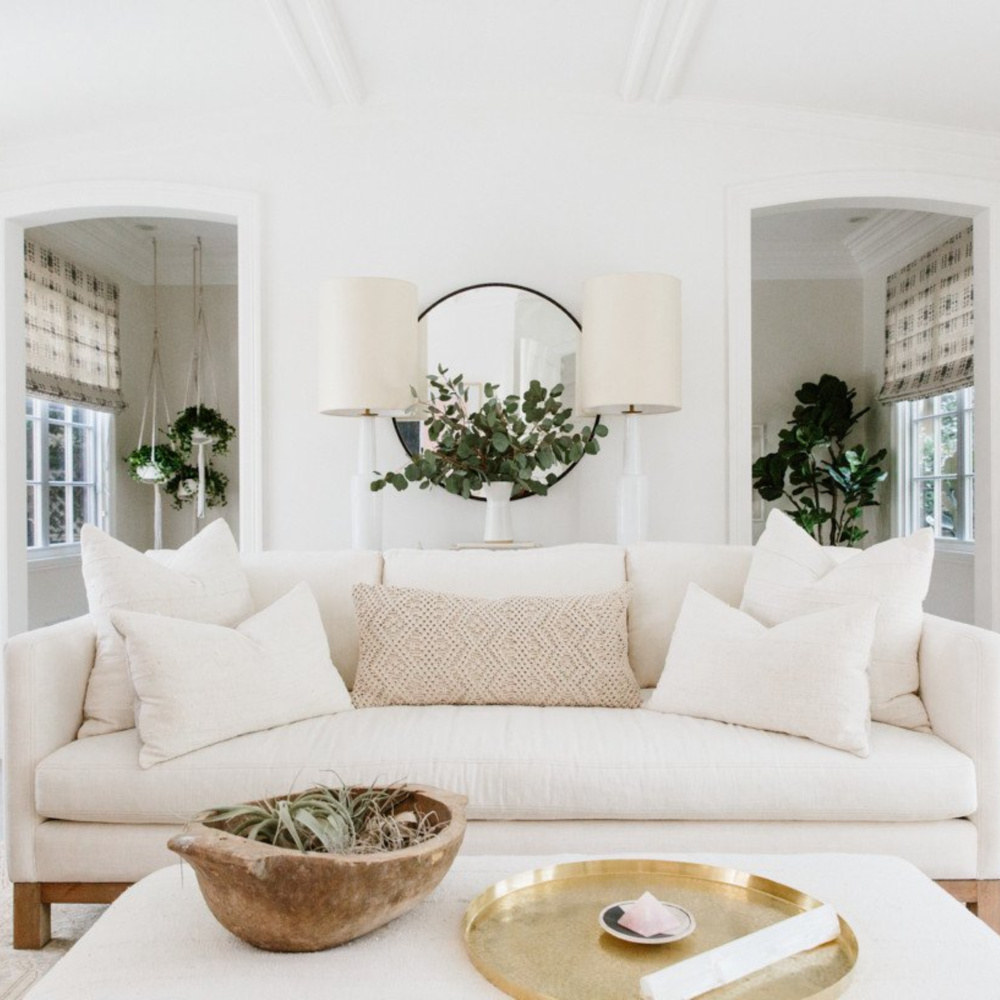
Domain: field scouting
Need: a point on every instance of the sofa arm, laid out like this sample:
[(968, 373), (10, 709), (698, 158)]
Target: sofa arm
[(45, 681), (960, 687)]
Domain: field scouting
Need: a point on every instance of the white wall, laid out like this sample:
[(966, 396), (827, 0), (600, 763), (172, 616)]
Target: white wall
[(952, 590), (803, 329), (459, 195)]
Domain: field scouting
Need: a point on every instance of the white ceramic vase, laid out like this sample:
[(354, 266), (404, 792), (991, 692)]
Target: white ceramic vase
[(498, 523)]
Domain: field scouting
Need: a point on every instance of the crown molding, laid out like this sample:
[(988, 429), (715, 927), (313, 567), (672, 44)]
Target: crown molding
[(802, 260), (893, 232)]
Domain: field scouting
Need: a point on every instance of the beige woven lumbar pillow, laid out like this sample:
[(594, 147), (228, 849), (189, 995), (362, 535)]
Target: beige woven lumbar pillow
[(420, 647)]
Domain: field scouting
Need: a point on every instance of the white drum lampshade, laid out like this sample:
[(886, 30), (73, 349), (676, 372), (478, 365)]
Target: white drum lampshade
[(367, 363), (630, 363), (630, 358), (367, 346)]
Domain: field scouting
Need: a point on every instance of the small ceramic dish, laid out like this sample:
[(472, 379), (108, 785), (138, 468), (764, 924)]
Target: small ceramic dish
[(611, 915)]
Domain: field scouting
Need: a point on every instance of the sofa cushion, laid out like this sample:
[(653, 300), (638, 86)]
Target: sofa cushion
[(527, 763), (549, 572), (425, 647), (330, 576)]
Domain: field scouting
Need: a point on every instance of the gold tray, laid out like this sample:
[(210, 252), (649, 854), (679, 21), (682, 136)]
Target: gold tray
[(536, 936)]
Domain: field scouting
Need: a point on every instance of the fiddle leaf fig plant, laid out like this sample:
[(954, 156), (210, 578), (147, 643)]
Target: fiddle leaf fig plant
[(827, 483), (507, 440)]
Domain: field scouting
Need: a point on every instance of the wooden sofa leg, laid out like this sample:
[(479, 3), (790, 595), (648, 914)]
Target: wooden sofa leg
[(32, 917), (987, 905)]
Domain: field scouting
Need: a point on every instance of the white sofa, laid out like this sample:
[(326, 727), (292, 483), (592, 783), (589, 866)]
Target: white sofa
[(84, 820)]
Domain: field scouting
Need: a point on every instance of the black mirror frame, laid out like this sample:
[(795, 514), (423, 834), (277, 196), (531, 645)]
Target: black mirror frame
[(520, 288)]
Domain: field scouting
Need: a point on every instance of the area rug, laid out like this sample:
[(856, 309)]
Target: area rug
[(20, 970)]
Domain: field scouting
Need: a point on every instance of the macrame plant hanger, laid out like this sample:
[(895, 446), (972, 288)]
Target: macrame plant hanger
[(202, 372), (156, 396)]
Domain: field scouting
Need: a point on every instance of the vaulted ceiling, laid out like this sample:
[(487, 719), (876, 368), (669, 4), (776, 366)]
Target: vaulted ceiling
[(70, 65)]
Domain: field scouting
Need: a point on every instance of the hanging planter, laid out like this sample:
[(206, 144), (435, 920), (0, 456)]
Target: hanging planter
[(153, 465), (200, 426), (184, 486)]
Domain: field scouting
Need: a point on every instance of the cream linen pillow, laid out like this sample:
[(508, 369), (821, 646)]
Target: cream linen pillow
[(201, 684), (421, 647), (202, 581), (791, 574), (807, 677)]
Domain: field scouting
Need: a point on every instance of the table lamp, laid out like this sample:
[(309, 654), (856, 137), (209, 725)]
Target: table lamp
[(630, 363), (367, 363)]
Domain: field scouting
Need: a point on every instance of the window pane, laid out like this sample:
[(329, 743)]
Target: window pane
[(925, 505), (81, 456), (57, 453), (29, 406), (32, 527), (949, 509), (924, 451), (57, 411), (948, 448), (948, 403), (80, 415), (79, 510), (57, 516), (922, 408), (29, 443)]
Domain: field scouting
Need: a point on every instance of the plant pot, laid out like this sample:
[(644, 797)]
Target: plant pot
[(151, 473), (187, 488), (498, 521), (199, 437), (283, 900)]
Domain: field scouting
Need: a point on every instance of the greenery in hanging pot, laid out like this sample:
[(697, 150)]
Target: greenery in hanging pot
[(153, 465), (507, 440), (183, 486), (201, 425), (826, 482)]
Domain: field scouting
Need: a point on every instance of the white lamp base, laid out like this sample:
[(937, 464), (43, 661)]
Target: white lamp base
[(366, 506), (633, 490)]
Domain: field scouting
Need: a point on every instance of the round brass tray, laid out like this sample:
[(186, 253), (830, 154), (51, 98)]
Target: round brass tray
[(535, 935)]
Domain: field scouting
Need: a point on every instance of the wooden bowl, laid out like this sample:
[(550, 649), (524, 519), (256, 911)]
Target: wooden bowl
[(282, 900)]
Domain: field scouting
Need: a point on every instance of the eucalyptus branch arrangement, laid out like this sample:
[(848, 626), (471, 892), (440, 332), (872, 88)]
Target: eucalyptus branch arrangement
[(826, 482), (507, 440), (331, 820)]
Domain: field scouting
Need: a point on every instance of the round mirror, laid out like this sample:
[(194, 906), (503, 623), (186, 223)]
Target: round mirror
[(508, 335)]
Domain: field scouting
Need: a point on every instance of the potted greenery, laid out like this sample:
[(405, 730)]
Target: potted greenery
[(183, 486), (201, 426), (153, 464), (501, 448), (826, 482), (315, 869)]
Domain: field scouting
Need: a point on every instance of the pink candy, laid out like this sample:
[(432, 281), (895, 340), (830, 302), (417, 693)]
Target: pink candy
[(648, 917)]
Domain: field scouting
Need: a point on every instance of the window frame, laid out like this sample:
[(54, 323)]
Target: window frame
[(96, 479), (905, 433)]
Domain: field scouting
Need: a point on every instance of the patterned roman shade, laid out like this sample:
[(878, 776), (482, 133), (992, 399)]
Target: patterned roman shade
[(929, 323), (71, 327)]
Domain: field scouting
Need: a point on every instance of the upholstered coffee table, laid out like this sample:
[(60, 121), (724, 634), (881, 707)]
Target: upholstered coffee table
[(159, 942)]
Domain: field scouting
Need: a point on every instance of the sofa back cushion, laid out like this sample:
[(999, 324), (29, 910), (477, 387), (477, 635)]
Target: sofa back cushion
[(331, 576), (559, 571)]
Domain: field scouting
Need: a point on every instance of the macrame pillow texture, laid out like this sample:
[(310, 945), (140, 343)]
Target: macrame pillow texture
[(202, 581), (791, 574), (420, 647), (806, 677), (200, 684)]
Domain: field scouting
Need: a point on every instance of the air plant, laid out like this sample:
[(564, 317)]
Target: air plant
[(331, 820)]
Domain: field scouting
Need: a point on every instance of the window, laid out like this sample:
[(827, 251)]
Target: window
[(67, 448), (938, 459)]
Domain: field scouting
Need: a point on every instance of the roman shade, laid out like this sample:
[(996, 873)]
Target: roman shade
[(929, 323), (71, 332)]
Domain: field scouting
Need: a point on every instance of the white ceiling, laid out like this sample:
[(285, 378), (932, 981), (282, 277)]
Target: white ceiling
[(122, 248), (67, 65)]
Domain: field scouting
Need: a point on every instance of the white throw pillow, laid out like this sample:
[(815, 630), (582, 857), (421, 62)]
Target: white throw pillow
[(807, 677), (201, 684), (202, 581), (791, 574)]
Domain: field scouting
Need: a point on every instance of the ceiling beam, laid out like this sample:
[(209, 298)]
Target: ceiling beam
[(295, 43), (338, 57), (640, 54), (686, 18)]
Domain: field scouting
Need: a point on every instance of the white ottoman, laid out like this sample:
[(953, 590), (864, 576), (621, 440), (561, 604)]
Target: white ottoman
[(159, 941)]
